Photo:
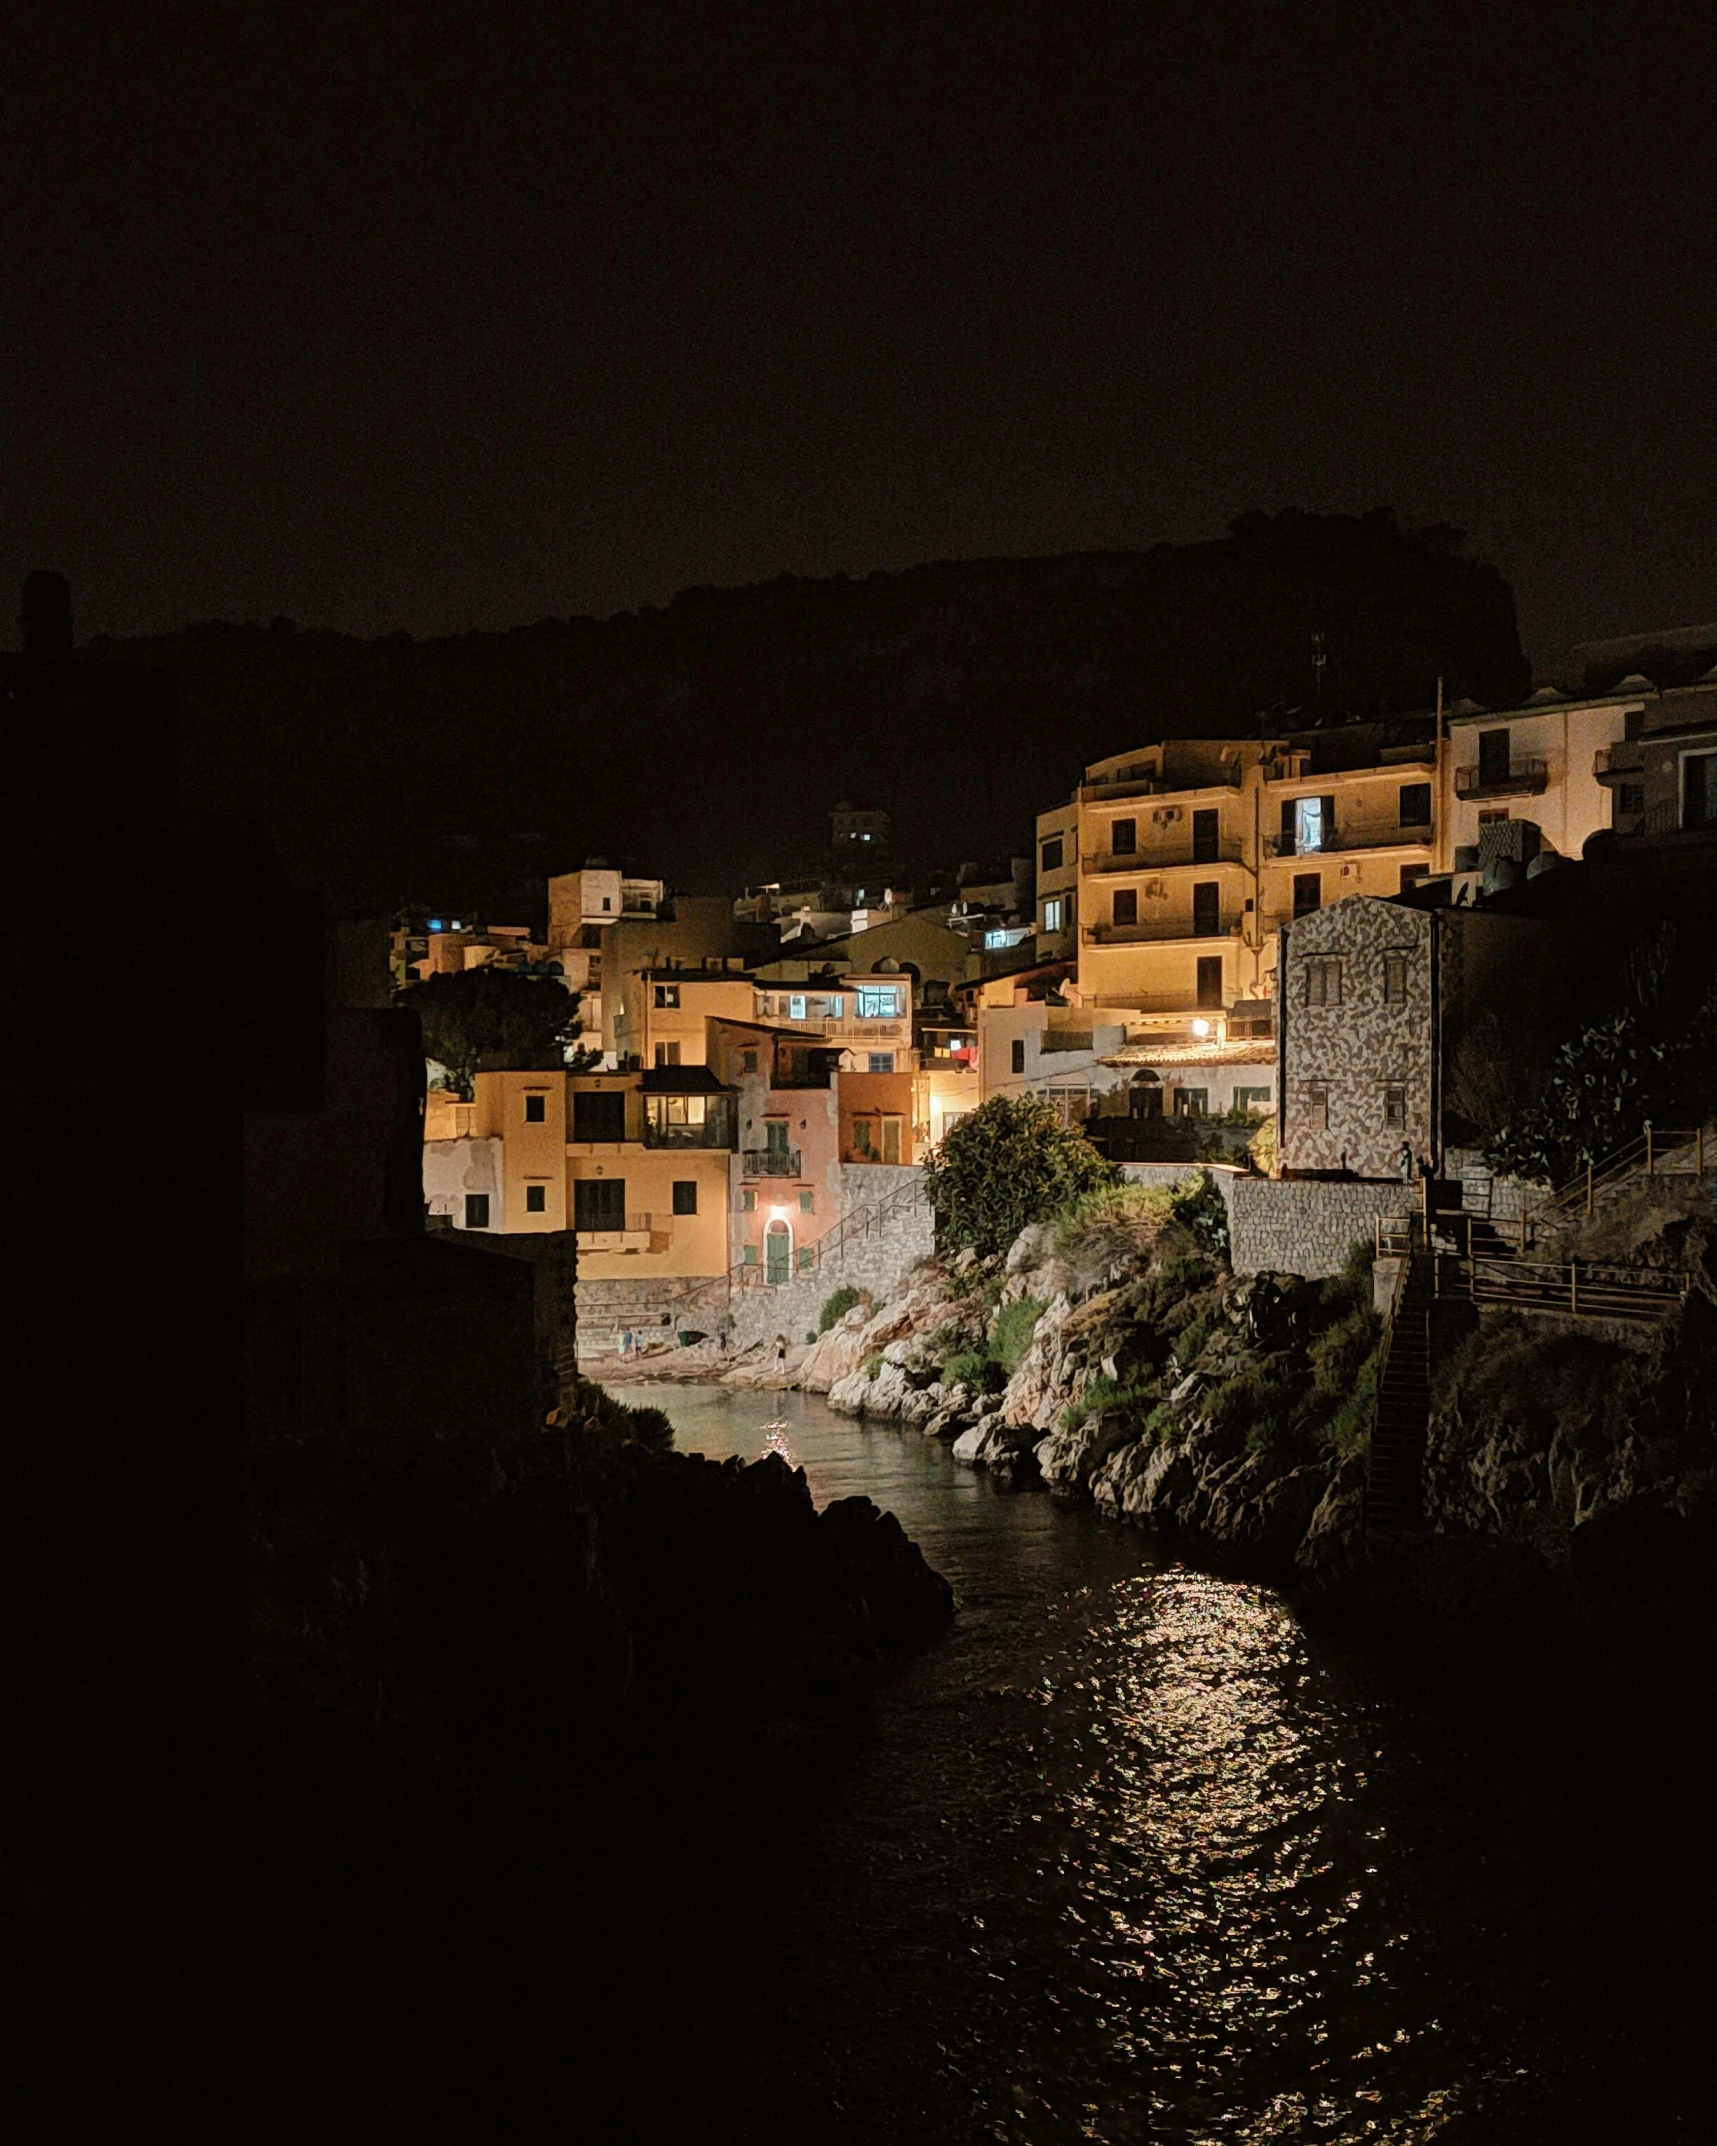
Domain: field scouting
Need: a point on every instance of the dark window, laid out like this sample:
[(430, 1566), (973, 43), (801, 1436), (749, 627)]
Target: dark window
[(1052, 855), (1308, 893), (1323, 980), (599, 1203), (1394, 1105), (1017, 1054), (1286, 846), (598, 1114), (476, 1210), (1206, 836), (1395, 979), (685, 1195), (1124, 839), (667, 1054), (1699, 790), (1206, 908), (536, 1199), (1317, 1108), (1126, 906), (1411, 874), (1415, 804), (667, 994), (1630, 799), (748, 1062), (1210, 979), (1493, 757), (536, 1109)]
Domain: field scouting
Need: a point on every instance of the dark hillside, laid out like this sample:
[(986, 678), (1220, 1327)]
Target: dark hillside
[(705, 741)]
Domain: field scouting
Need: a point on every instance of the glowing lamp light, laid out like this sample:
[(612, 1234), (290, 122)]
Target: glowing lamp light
[(1201, 1028), (778, 1214)]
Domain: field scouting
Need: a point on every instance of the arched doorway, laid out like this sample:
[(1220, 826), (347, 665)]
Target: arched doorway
[(1145, 1095), (777, 1253)]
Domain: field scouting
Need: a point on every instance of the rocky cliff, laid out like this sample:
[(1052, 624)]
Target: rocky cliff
[(1236, 1411)]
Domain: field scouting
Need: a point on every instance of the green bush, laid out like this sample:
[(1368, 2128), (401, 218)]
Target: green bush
[(1348, 1431), (1190, 1340), (1198, 1206), (972, 1367), (1009, 1163), (838, 1303), (1106, 1396), (873, 1363), (1260, 1400), (1109, 1223), (1011, 1331)]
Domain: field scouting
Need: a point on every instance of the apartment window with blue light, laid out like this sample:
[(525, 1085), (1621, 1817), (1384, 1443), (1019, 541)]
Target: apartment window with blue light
[(877, 1003)]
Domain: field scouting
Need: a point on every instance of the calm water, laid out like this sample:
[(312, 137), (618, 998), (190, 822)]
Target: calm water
[(1133, 1855)]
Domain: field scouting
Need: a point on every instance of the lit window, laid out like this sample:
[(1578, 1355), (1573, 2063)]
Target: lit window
[(1052, 910), (796, 1007), (536, 1199), (667, 994), (877, 1002), (994, 939), (837, 1007)]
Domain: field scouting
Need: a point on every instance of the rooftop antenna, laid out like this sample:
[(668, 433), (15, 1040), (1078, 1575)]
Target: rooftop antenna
[(1320, 656)]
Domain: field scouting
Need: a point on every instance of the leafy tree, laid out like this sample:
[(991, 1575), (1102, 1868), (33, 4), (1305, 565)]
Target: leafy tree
[(483, 1011), (1604, 1084), (1009, 1164)]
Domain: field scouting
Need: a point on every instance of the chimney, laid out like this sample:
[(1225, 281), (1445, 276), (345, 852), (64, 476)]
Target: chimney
[(45, 615)]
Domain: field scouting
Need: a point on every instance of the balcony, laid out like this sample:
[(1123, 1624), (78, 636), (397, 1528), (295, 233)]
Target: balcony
[(770, 1162), (1228, 927), (1349, 840), (1169, 857), (1521, 778), (1613, 764), (642, 1233), (1120, 787)]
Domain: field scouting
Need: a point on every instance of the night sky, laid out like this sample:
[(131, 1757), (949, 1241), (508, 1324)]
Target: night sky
[(462, 316)]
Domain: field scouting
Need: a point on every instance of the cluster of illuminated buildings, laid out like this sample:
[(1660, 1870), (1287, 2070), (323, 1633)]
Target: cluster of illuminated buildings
[(758, 1069)]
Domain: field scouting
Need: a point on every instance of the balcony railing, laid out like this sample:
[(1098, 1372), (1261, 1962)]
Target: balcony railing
[(1521, 778), (638, 1235), (1105, 793), (770, 1162), (1227, 926), (1414, 837), (1167, 857), (1618, 763)]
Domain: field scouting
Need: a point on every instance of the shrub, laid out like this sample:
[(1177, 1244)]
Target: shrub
[(1259, 1400), (1198, 1206), (1009, 1163), (1338, 1353), (972, 1367), (838, 1303), (873, 1363), (1262, 1146), (1348, 1431), (1011, 1331), (1190, 1340), (1110, 1223), (1106, 1396)]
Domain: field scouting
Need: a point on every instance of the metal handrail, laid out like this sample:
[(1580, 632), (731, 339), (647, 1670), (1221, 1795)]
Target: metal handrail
[(1655, 1149)]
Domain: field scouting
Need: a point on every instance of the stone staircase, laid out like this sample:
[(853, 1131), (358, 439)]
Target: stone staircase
[(1394, 1480)]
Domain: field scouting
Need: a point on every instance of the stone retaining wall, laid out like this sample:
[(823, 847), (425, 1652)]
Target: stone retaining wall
[(875, 1261), (1296, 1226), (648, 1308)]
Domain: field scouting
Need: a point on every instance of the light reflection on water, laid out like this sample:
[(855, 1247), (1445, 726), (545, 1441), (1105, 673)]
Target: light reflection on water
[(1121, 1862)]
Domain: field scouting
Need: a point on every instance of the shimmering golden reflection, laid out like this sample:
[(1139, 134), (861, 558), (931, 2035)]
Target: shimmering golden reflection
[(1228, 1970)]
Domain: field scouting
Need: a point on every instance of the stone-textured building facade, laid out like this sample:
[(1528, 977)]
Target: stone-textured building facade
[(1374, 1000)]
